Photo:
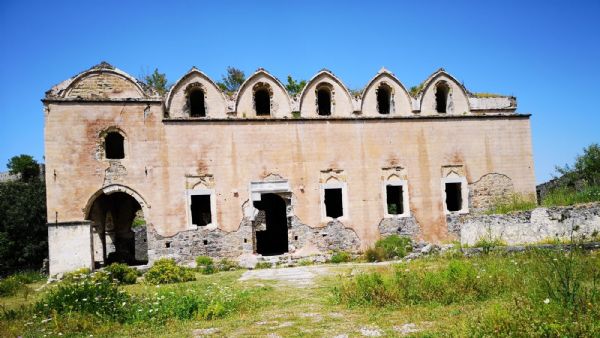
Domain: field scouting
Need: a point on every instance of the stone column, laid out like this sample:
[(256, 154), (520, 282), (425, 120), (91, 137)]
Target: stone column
[(70, 246)]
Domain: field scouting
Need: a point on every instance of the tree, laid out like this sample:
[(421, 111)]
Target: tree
[(294, 87), (586, 168), (23, 230), (158, 81), (25, 166), (232, 81)]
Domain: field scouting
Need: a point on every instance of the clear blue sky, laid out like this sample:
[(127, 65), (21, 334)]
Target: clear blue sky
[(544, 52)]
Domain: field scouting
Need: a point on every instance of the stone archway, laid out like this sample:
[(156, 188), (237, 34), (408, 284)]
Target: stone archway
[(118, 227)]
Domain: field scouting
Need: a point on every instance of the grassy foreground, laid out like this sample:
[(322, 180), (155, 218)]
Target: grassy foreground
[(536, 293)]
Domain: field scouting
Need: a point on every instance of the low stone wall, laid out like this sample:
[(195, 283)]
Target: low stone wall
[(530, 226), (403, 226)]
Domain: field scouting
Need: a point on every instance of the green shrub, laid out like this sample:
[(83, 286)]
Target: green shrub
[(374, 255), (340, 257), (226, 264), (263, 265), (17, 282), (76, 275), (512, 203), (95, 296), (394, 246), (166, 271), (305, 262), (205, 265), (123, 273)]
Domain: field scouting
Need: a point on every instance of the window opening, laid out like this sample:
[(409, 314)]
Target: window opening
[(200, 208), (333, 202)]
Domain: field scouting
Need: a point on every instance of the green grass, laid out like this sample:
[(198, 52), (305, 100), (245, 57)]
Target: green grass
[(564, 196), (441, 295), (513, 203)]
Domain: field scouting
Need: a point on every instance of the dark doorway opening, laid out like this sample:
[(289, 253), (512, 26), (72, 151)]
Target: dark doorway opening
[(262, 100), (113, 145), (441, 97), (453, 197), (324, 101), (333, 203), (274, 239), (200, 208), (395, 205), (116, 220), (383, 99), (197, 107)]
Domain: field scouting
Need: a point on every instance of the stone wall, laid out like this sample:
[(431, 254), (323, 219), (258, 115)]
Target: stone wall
[(403, 226), (531, 226), (302, 241), (69, 246), (488, 190)]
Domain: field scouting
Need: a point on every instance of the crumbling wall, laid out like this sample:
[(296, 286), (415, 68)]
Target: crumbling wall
[(103, 85), (402, 226), (304, 240), (489, 189), (532, 226)]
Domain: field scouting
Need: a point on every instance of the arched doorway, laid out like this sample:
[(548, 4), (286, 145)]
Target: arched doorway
[(271, 236), (115, 220)]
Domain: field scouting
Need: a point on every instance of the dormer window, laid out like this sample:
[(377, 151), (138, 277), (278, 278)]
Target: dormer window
[(441, 97), (384, 95), (262, 102), (324, 101), (196, 102), (113, 146)]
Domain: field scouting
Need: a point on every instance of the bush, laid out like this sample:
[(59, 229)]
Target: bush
[(227, 265), (12, 284), (340, 257), (95, 296), (374, 255), (394, 246), (263, 265), (205, 265), (487, 244), (123, 273), (166, 271), (76, 275)]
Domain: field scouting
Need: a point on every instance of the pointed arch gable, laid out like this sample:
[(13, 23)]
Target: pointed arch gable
[(403, 108), (315, 80), (177, 89), (280, 99), (429, 85)]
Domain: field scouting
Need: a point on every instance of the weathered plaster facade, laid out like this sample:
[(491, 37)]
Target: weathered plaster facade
[(293, 154)]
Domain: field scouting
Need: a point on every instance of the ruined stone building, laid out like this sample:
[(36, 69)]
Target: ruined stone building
[(261, 172)]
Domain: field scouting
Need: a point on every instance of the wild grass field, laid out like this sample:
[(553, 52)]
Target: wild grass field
[(543, 293)]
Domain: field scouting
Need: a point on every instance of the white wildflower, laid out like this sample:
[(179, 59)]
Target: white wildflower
[(547, 300)]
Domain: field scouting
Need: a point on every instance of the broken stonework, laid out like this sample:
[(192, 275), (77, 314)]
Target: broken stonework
[(532, 226), (404, 226), (488, 190), (187, 245)]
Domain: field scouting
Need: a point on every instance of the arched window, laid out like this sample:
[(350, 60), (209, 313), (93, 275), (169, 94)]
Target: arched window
[(197, 107), (324, 101), (262, 102), (441, 97), (113, 146), (384, 94)]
